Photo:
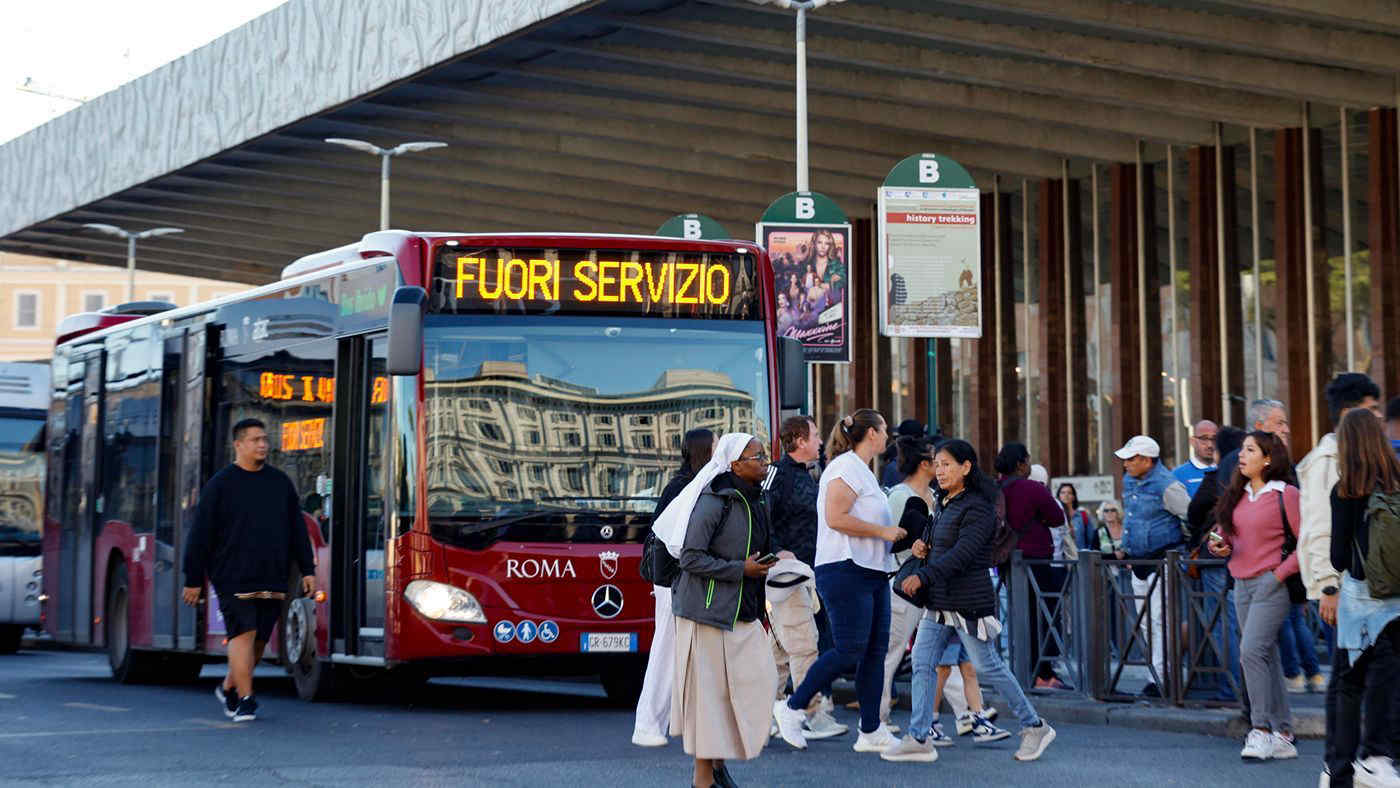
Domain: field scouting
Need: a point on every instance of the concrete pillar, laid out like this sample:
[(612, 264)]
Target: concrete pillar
[(1384, 242), (998, 319), (1296, 387), (1125, 332), (1062, 421), (1206, 260)]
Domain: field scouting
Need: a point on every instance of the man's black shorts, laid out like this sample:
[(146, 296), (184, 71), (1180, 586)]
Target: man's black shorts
[(248, 615)]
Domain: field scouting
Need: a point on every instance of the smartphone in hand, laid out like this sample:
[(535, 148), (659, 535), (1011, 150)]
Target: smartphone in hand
[(771, 558)]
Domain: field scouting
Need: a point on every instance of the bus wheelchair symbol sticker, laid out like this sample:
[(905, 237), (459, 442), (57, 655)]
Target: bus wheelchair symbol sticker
[(549, 632), (504, 631)]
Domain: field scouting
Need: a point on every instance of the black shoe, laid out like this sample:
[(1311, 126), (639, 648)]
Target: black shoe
[(247, 710), (1151, 690), (229, 700), (723, 778)]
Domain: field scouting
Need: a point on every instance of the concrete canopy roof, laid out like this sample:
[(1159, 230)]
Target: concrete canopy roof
[(612, 115)]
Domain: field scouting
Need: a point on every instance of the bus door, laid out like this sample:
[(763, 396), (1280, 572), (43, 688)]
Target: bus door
[(89, 509), (165, 588), (190, 472), (361, 448)]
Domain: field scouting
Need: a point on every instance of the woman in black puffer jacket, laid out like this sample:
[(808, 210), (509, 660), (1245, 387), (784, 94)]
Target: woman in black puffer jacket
[(962, 603)]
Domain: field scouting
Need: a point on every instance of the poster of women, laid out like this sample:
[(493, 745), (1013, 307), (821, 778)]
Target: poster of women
[(812, 286)]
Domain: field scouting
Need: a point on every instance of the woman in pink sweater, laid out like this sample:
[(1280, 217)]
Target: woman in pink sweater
[(1257, 529)]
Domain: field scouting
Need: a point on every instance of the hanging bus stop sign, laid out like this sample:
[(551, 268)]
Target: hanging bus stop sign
[(694, 227), (930, 249), (808, 240)]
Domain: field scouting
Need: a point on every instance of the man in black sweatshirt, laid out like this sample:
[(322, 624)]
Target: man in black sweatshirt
[(247, 530)]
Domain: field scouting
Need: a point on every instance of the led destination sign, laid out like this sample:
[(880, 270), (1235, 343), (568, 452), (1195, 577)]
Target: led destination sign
[(575, 281)]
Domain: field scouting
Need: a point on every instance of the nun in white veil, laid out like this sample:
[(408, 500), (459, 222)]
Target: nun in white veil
[(718, 528)]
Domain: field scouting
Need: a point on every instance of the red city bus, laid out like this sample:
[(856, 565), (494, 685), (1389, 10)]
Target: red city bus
[(478, 426)]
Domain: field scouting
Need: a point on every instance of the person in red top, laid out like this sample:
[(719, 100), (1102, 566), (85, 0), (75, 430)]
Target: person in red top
[(1257, 530), (1031, 511)]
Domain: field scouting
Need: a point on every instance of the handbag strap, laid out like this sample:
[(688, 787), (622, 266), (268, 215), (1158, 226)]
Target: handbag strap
[(1290, 542)]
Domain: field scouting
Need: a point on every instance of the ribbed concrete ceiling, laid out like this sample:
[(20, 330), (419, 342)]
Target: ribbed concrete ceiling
[(620, 115)]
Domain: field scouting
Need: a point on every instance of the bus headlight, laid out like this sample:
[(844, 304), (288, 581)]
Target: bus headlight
[(442, 602)]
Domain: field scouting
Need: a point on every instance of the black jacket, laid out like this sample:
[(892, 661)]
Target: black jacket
[(247, 532), (672, 489), (792, 503), (960, 555), (1349, 525)]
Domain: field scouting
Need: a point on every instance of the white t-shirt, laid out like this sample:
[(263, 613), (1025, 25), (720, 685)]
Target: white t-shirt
[(870, 505)]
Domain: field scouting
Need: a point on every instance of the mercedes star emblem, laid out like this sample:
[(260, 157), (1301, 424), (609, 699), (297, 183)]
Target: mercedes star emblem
[(607, 601)]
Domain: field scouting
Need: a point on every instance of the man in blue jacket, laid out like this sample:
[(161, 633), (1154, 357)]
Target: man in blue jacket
[(1154, 506), (1202, 459)]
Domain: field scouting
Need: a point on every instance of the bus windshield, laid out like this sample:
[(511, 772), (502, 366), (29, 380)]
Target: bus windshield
[(21, 483), (555, 428)]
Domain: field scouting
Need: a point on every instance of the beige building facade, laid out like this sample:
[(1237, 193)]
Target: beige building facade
[(36, 293)]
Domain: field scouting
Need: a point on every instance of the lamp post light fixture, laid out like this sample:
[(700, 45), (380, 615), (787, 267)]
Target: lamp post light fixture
[(802, 7), (131, 239), (384, 154)]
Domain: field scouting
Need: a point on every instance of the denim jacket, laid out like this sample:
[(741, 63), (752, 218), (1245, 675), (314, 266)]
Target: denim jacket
[(1148, 528)]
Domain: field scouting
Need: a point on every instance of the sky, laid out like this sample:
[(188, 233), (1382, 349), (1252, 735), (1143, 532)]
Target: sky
[(80, 49)]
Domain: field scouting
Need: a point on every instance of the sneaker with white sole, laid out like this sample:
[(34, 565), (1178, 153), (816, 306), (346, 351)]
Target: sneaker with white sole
[(938, 738), (1258, 746), (227, 699), (1034, 740), (965, 720), (1317, 683), (790, 723), (822, 726), (1376, 771), (911, 750), (247, 710), (643, 738), (827, 705), (1295, 685), (984, 731), (772, 727), (1282, 747), (877, 740)]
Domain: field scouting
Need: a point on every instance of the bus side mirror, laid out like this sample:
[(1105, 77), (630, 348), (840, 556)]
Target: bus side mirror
[(792, 375), (406, 330)]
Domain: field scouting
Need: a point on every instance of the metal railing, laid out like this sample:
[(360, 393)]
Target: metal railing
[(1089, 621)]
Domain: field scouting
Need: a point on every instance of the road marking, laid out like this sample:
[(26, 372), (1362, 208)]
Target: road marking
[(223, 724), (95, 707), (4, 696), (99, 732)]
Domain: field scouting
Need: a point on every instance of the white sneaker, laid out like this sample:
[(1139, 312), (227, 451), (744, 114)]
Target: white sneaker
[(643, 738), (910, 749), (1377, 771), (822, 726), (966, 723), (827, 705), (772, 728), (790, 723), (1283, 747), (877, 740), (938, 738), (1258, 746), (1295, 685)]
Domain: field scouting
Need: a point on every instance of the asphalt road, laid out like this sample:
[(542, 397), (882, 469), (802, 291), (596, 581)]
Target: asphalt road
[(63, 721)]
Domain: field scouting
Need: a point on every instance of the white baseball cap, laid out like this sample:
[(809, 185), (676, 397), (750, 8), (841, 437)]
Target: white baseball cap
[(1139, 445)]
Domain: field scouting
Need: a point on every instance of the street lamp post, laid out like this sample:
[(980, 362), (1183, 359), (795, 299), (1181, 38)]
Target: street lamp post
[(384, 154), (131, 239), (802, 7)]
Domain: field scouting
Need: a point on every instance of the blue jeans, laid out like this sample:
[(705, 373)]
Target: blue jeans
[(1226, 630), (858, 604), (1297, 644), (929, 645)]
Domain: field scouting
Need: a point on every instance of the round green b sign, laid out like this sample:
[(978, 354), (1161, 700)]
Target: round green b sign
[(930, 171)]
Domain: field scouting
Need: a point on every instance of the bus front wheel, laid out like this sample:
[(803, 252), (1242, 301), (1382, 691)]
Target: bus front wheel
[(10, 637), (128, 665)]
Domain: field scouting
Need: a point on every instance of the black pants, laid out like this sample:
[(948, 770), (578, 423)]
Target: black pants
[(1050, 579), (1369, 683)]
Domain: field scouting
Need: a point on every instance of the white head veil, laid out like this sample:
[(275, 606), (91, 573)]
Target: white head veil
[(671, 524)]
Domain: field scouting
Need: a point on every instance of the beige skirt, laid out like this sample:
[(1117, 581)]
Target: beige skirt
[(722, 698)]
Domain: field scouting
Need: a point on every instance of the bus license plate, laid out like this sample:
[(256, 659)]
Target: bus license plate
[(608, 641)]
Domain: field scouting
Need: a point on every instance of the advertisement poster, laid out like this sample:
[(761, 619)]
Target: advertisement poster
[(930, 262), (811, 271)]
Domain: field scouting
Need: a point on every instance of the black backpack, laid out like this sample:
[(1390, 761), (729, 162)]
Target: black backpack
[(658, 566)]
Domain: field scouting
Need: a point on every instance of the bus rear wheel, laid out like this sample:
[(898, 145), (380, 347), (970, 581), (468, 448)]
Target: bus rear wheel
[(315, 678), (9, 638), (128, 665), (623, 681)]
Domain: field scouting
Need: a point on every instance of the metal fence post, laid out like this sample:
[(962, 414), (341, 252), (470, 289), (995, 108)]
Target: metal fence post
[(1171, 623), (1020, 646), (1090, 622)]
